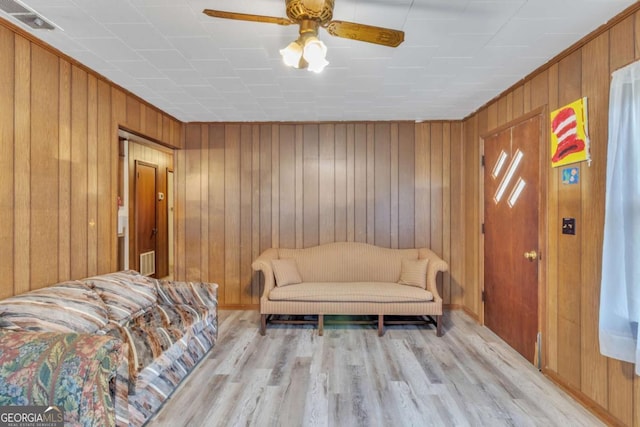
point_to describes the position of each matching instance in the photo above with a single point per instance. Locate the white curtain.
(620, 288)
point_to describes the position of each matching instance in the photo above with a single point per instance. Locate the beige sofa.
(350, 278)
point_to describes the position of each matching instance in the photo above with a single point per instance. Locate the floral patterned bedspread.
(71, 371)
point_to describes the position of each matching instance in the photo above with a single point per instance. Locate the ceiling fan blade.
(365, 33)
(247, 17)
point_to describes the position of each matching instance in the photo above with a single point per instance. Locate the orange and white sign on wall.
(570, 134)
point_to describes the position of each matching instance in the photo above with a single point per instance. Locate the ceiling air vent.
(25, 15)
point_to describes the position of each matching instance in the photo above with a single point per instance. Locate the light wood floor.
(351, 377)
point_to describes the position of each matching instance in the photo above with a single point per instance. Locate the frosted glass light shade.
(317, 66)
(314, 50)
(292, 54)
(314, 53)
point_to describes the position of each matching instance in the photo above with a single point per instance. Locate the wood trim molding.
(148, 141)
(471, 314)
(584, 400)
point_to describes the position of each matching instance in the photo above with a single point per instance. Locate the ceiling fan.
(307, 51)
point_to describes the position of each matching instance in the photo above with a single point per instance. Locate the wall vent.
(23, 14)
(148, 263)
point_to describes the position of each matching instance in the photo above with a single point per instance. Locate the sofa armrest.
(69, 370)
(263, 263)
(190, 293)
(435, 265)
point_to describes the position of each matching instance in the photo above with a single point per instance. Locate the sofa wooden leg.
(380, 325)
(438, 326)
(320, 324)
(263, 324)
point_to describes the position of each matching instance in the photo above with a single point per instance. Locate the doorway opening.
(145, 222)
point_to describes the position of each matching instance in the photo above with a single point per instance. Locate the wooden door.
(146, 227)
(511, 199)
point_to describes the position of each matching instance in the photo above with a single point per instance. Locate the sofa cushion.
(348, 262)
(125, 293)
(65, 307)
(360, 292)
(414, 272)
(286, 272)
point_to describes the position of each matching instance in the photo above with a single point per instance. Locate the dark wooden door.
(511, 192)
(146, 227)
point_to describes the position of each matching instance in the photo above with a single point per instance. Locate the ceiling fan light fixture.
(306, 52)
(311, 15)
(318, 66)
(314, 50)
(292, 54)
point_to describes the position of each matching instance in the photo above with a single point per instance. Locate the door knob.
(531, 255)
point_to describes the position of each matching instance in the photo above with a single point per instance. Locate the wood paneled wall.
(58, 163)
(572, 263)
(243, 188)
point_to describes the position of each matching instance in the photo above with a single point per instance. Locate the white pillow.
(286, 272)
(414, 273)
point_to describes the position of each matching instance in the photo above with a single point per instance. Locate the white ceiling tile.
(166, 59)
(185, 77)
(297, 95)
(257, 76)
(265, 91)
(39, 4)
(140, 36)
(93, 61)
(194, 108)
(447, 65)
(111, 49)
(523, 31)
(412, 56)
(203, 92)
(138, 69)
(196, 48)
(408, 75)
(214, 68)
(463, 45)
(369, 66)
(111, 11)
(548, 45)
(179, 98)
(246, 58)
(177, 20)
(163, 84)
(229, 84)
